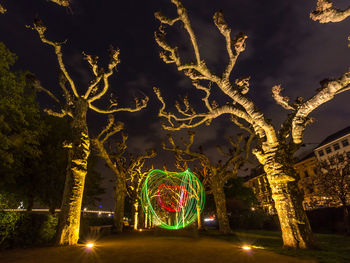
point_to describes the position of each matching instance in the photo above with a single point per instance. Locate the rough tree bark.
(69, 219)
(220, 204)
(120, 192)
(325, 12)
(274, 145)
(76, 106)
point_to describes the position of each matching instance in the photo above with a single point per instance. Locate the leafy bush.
(28, 229)
(8, 223)
(8, 220)
(48, 229)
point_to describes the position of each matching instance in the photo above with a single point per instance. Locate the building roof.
(335, 136)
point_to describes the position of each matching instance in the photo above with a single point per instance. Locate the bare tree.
(125, 168)
(114, 163)
(214, 175)
(333, 181)
(136, 176)
(277, 147)
(76, 106)
(325, 12)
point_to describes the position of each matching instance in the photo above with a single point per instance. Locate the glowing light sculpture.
(174, 200)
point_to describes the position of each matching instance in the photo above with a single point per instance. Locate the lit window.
(328, 150)
(345, 142)
(336, 146)
(320, 153)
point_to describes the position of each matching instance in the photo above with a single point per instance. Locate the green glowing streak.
(193, 204)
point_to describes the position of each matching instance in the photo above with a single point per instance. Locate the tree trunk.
(346, 218)
(199, 218)
(69, 222)
(136, 214)
(119, 203)
(30, 200)
(52, 210)
(283, 180)
(220, 204)
(146, 217)
(141, 217)
(120, 187)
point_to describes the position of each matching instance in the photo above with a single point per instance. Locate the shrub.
(8, 223)
(29, 229)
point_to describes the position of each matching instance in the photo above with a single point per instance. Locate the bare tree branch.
(37, 86)
(64, 3)
(41, 28)
(238, 43)
(193, 119)
(283, 101)
(329, 89)
(139, 105)
(111, 129)
(199, 71)
(2, 9)
(114, 56)
(325, 12)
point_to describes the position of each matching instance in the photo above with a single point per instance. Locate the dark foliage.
(30, 230)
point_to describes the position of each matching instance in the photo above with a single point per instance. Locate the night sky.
(284, 46)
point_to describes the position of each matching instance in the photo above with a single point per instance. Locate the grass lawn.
(332, 248)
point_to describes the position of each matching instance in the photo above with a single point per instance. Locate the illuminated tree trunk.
(68, 230)
(220, 204)
(283, 180)
(146, 217)
(119, 203)
(136, 214)
(199, 220)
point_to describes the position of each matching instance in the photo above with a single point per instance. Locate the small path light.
(246, 247)
(90, 245)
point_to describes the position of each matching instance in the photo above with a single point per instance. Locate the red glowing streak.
(168, 191)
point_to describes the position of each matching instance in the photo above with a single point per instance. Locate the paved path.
(142, 247)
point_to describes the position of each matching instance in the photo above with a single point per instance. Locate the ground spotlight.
(90, 245)
(246, 247)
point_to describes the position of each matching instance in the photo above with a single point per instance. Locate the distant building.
(261, 188)
(338, 142)
(306, 168)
